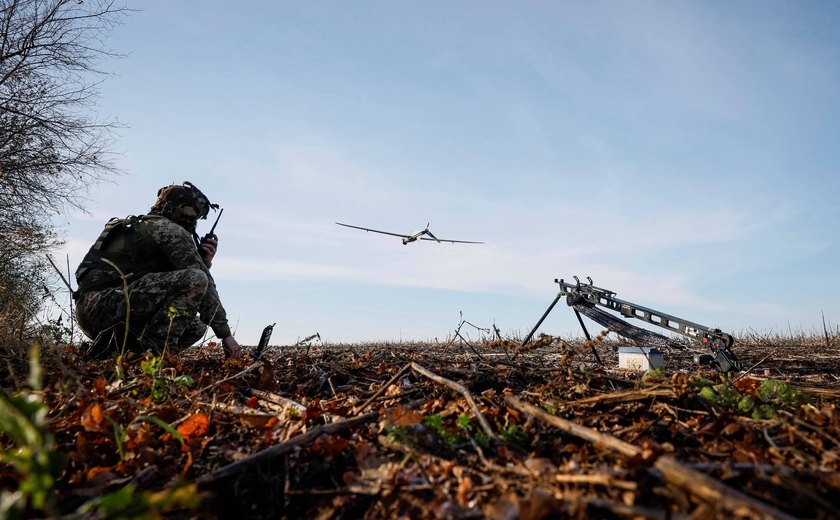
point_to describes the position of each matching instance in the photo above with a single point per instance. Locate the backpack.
(125, 243)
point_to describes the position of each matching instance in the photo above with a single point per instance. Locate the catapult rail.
(583, 298)
(587, 293)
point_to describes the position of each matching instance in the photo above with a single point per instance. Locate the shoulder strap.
(94, 256)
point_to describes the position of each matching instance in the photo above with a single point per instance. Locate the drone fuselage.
(414, 236)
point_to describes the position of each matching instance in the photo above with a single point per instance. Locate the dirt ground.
(484, 429)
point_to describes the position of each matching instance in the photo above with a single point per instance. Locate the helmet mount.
(184, 204)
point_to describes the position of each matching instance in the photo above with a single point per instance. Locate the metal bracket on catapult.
(585, 298)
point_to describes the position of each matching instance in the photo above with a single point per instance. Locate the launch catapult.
(585, 299)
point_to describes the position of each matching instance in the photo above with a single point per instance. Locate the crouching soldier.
(172, 296)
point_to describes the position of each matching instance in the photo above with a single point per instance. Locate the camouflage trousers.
(164, 309)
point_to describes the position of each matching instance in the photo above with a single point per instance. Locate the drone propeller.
(430, 233)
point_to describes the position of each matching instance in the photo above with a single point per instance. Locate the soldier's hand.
(232, 348)
(207, 250)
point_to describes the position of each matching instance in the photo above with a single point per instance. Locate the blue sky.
(683, 154)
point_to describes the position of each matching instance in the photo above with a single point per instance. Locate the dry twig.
(673, 471)
(279, 449)
(463, 391)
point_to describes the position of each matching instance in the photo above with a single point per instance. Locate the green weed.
(162, 380)
(23, 421)
(396, 434)
(152, 367)
(513, 435)
(654, 375)
(128, 503)
(770, 398)
(465, 423)
(435, 422)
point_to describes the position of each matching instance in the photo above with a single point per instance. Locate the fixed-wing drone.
(412, 237)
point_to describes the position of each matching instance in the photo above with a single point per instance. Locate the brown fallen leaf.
(195, 425)
(91, 419)
(403, 416)
(539, 504)
(464, 488)
(505, 508)
(540, 466)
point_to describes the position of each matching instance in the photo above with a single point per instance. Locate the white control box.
(639, 358)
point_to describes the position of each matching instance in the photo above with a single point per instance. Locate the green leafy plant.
(465, 423)
(171, 313)
(120, 432)
(722, 394)
(28, 446)
(163, 424)
(770, 397)
(699, 383)
(396, 434)
(513, 435)
(127, 502)
(152, 367)
(780, 393)
(23, 421)
(161, 380)
(776, 395)
(119, 436)
(435, 422)
(654, 375)
(184, 380)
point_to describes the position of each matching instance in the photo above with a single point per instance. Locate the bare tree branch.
(53, 145)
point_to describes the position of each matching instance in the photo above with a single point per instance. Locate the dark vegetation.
(52, 143)
(446, 430)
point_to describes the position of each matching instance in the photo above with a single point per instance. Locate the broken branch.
(463, 391)
(279, 449)
(673, 471)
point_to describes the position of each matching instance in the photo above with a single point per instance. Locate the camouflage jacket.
(145, 244)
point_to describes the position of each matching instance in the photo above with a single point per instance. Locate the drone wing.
(373, 230)
(451, 241)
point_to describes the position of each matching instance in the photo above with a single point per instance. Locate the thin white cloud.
(649, 147)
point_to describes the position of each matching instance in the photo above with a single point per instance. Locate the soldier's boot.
(113, 341)
(193, 333)
(102, 346)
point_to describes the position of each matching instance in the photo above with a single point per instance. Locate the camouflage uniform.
(172, 295)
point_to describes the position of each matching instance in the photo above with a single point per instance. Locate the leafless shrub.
(52, 145)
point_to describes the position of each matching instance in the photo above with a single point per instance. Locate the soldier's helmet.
(183, 204)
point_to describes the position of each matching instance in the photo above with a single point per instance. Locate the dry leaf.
(747, 385)
(91, 419)
(731, 428)
(404, 416)
(506, 508)
(99, 385)
(194, 426)
(540, 466)
(98, 470)
(464, 488)
(540, 504)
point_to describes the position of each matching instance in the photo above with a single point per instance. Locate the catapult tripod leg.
(544, 316)
(588, 338)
